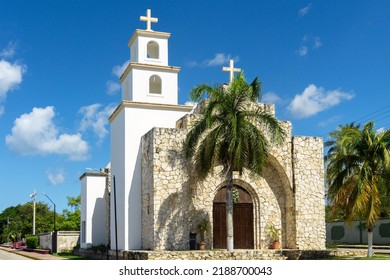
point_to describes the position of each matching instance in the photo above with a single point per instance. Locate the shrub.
(331, 245)
(32, 241)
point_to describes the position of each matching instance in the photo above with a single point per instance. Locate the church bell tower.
(148, 78)
(149, 99)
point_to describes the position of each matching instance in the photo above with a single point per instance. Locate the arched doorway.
(242, 219)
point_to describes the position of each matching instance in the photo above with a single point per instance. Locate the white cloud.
(96, 119)
(36, 134)
(9, 51)
(111, 86)
(1, 110)
(10, 76)
(56, 178)
(303, 50)
(304, 11)
(381, 130)
(309, 43)
(119, 69)
(217, 60)
(314, 100)
(270, 97)
(190, 103)
(329, 121)
(317, 43)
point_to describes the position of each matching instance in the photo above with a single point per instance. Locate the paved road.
(4, 255)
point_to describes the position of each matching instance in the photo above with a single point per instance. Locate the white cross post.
(231, 70)
(149, 19)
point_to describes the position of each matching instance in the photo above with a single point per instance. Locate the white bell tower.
(148, 77)
(149, 99)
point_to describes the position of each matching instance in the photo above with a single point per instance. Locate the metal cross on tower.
(149, 19)
(231, 70)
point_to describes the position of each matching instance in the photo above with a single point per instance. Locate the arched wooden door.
(242, 219)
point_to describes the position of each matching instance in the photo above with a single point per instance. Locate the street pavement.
(4, 255)
(30, 255)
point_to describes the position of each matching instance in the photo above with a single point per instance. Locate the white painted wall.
(127, 128)
(92, 210)
(138, 79)
(138, 49)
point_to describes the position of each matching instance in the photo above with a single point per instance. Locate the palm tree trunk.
(229, 211)
(370, 238)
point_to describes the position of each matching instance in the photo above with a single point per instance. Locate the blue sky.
(323, 63)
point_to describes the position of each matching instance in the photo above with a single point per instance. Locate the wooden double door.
(242, 220)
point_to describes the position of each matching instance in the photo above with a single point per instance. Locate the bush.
(32, 241)
(331, 245)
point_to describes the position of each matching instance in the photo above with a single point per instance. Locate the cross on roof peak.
(149, 19)
(231, 70)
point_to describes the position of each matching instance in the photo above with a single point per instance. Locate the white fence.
(356, 233)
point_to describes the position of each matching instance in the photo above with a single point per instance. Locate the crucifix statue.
(149, 19)
(231, 70)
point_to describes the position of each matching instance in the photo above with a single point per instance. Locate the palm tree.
(231, 132)
(358, 160)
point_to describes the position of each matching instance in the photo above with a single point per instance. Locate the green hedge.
(32, 241)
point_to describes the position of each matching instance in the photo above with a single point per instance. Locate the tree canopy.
(16, 222)
(358, 166)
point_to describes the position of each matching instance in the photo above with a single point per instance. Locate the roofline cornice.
(154, 67)
(147, 33)
(145, 105)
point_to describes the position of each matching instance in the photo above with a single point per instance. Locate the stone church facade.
(289, 194)
(156, 201)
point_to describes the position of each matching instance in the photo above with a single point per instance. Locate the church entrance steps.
(205, 255)
(284, 254)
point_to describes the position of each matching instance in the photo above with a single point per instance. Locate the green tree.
(233, 132)
(358, 161)
(74, 202)
(70, 220)
(20, 219)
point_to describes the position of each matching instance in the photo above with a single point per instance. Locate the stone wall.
(204, 255)
(308, 166)
(221, 254)
(66, 240)
(165, 199)
(289, 194)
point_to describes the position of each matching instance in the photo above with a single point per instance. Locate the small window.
(155, 84)
(153, 50)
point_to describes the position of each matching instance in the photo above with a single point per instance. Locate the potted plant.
(203, 227)
(274, 233)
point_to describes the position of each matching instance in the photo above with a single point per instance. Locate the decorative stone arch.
(244, 205)
(155, 84)
(275, 178)
(153, 50)
(272, 195)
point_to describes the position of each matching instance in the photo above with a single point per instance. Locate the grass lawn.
(374, 257)
(70, 256)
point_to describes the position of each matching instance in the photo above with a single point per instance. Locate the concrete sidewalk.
(31, 255)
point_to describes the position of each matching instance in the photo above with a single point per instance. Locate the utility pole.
(34, 196)
(8, 223)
